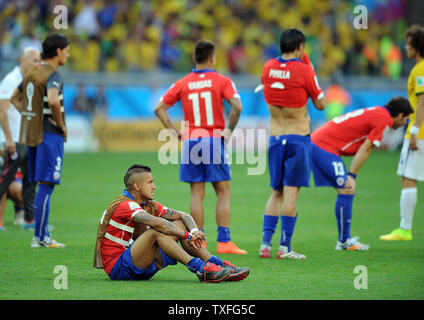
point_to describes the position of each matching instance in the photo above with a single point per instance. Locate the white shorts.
(411, 163)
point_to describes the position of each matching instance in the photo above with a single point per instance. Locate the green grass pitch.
(91, 181)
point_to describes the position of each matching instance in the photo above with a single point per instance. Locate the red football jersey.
(201, 93)
(121, 219)
(345, 134)
(289, 83)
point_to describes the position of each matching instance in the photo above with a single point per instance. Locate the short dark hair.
(203, 51)
(291, 39)
(399, 104)
(416, 33)
(135, 168)
(53, 42)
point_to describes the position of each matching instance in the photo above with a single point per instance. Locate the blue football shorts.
(328, 169)
(124, 269)
(204, 160)
(289, 161)
(45, 160)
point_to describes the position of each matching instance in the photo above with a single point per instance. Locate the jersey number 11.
(207, 96)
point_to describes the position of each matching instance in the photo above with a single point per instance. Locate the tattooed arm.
(159, 224)
(198, 235)
(171, 214)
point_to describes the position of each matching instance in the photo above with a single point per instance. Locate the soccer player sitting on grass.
(138, 237)
(353, 134)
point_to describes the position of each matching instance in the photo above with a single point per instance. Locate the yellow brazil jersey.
(415, 88)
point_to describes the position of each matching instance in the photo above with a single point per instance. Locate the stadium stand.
(139, 36)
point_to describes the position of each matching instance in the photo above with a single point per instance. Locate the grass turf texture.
(91, 181)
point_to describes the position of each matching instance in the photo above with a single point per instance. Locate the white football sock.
(408, 200)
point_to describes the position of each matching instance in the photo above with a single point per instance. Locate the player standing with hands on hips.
(287, 84)
(204, 158)
(40, 100)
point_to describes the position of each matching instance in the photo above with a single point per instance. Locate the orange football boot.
(229, 247)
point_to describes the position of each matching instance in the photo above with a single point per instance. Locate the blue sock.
(42, 210)
(287, 229)
(270, 223)
(215, 260)
(343, 210)
(196, 265)
(223, 234)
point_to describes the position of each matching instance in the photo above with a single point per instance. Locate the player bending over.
(137, 237)
(353, 134)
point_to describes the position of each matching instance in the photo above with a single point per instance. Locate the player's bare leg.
(196, 204)
(15, 194)
(223, 216)
(144, 250)
(273, 204)
(289, 205)
(223, 203)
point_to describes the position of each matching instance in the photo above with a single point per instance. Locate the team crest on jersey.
(340, 181)
(56, 175)
(133, 205)
(420, 81)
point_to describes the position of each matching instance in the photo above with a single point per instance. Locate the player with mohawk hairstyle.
(138, 236)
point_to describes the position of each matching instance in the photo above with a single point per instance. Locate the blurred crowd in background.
(140, 35)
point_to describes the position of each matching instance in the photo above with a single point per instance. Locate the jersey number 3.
(207, 96)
